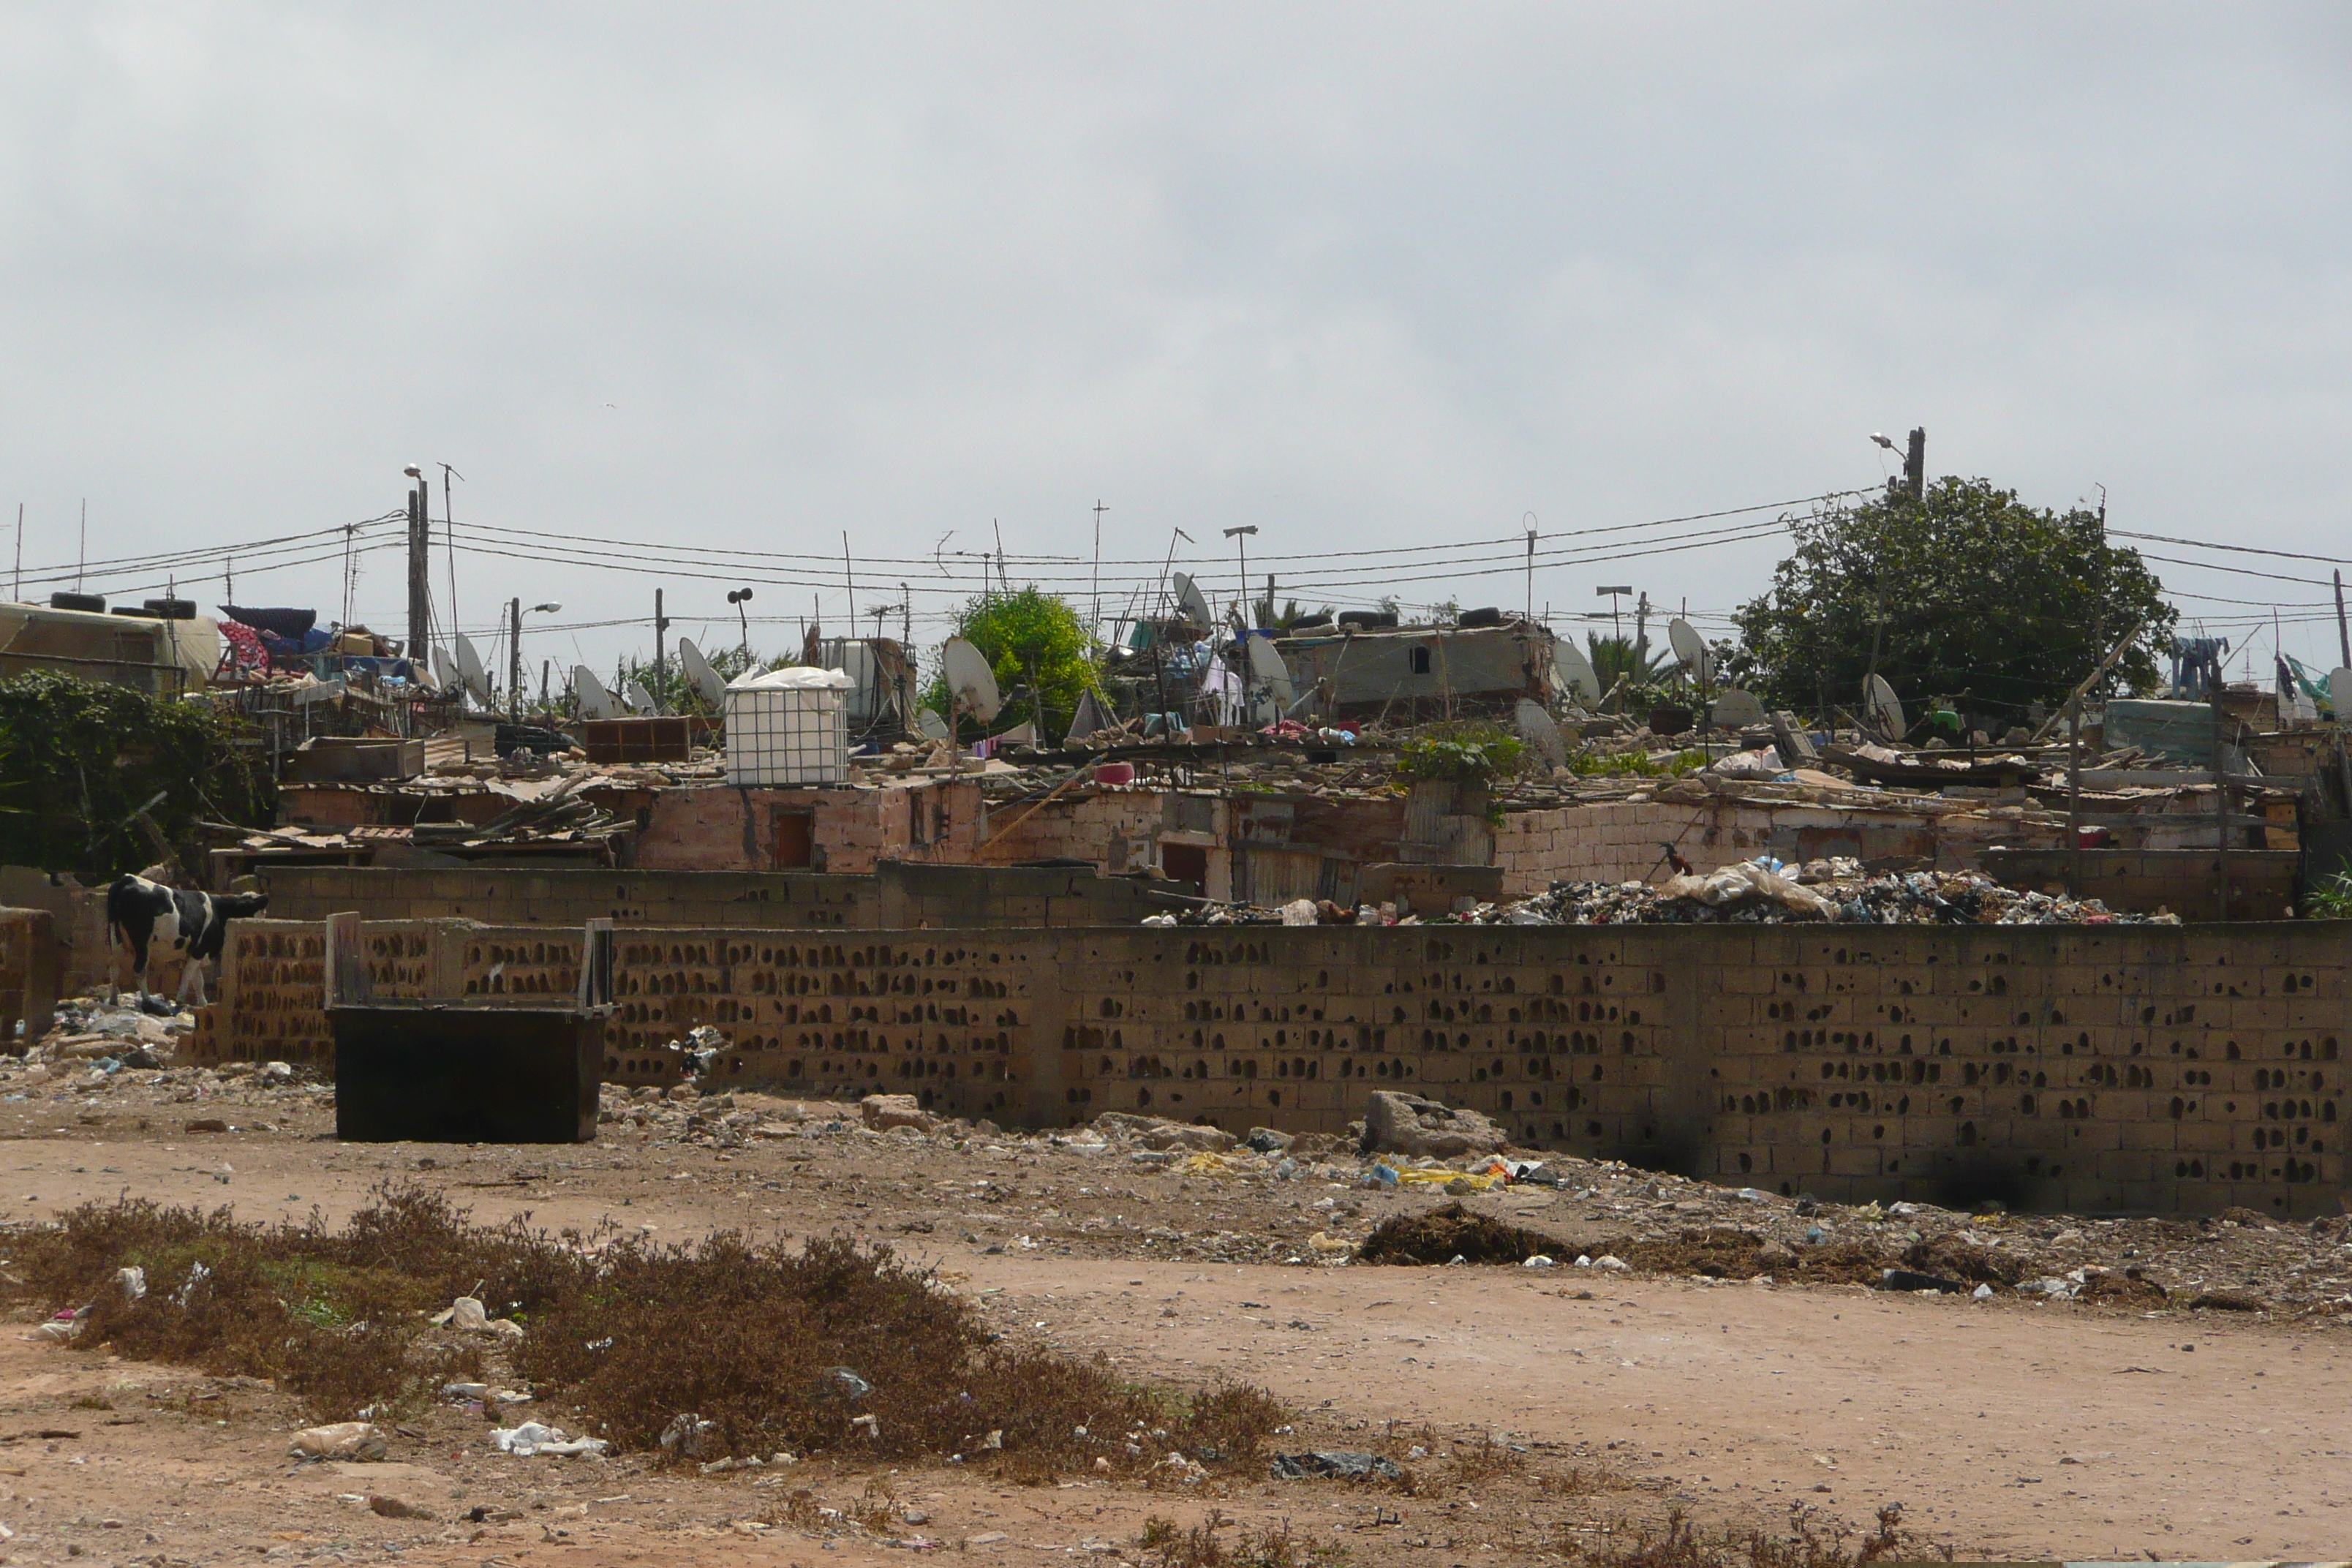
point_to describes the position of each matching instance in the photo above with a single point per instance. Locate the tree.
(1615, 655)
(1966, 592)
(1032, 640)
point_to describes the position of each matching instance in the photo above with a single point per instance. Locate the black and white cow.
(193, 923)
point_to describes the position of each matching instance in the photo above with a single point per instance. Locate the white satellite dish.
(699, 675)
(1582, 679)
(1689, 648)
(971, 680)
(640, 700)
(469, 670)
(932, 726)
(444, 674)
(1537, 729)
(1736, 709)
(595, 702)
(1885, 710)
(1190, 600)
(1265, 663)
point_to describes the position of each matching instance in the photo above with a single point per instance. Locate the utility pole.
(1531, 573)
(1094, 632)
(2342, 638)
(661, 633)
(514, 651)
(1642, 630)
(20, 555)
(420, 593)
(1914, 464)
(449, 537)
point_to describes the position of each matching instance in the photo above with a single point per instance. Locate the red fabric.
(245, 649)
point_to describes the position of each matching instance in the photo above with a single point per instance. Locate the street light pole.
(739, 597)
(1240, 536)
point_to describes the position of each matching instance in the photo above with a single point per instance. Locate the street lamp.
(739, 597)
(1615, 622)
(1240, 536)
(515, 613)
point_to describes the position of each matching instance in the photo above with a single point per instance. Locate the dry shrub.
(1679, 1543)
(753, 1339)
(1471, 1463)
(1449, 1231)
(1167, 1545)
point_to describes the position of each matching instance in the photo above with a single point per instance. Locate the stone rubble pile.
(1766, 891)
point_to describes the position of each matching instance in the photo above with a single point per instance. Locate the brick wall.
(895, 895)
(712, 827)
(2120, 1068)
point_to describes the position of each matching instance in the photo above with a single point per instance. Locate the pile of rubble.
(1765, 891)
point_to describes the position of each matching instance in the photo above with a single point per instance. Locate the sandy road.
(2027, 1431)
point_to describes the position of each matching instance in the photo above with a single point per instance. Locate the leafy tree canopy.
(1021, 634)
(1967, 589)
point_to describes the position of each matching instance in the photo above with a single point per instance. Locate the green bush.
(82, 766)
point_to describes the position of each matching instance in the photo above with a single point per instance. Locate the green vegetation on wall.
(82, 766)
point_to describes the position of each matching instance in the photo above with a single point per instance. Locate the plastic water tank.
(788, 727)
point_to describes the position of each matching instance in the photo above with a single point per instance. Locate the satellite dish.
(1689, 648)
(971, 680)
(699, 675)
(444, 674)
(1736, 709)
(1885, 710)
(595, 702)
(640, 699)
(1265, 663)
(933, 726)
(469, 670)
(1537, 729)
(1190, 600)
(1582, 679)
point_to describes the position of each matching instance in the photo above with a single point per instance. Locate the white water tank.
(788, 727)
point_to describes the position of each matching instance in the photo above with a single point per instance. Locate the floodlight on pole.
(739, 597)
(1616, 622)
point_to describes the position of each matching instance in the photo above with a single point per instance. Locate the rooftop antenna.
(469, 671)
(849, 577)
(971, 688)
(1885, 708)
(699, 675)
(82, 558)
(1536, 728)
(20, 554)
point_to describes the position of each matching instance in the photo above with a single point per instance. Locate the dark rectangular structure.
(450, 1072)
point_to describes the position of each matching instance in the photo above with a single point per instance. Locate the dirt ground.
(1544, 1400)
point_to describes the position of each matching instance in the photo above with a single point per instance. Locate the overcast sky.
(1364, 275)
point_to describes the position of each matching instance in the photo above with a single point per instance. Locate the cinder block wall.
(895, 895)
(2088, 1069)
(1619, 841)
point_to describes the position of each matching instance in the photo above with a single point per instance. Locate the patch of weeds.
(836, 1347)
(1807, 1543)
(1471, 1463)
(1165, 1544)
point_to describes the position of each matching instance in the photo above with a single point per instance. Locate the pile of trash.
(1767, 891)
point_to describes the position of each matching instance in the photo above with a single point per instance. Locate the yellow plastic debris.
(1439, 1177)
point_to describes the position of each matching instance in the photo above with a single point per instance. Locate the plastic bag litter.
(1759, 765)
(1749, 879)
(1298, 912)
(536, 1437)
(465, 1314)
(1208, 1164)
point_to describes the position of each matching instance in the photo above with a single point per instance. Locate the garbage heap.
(1767, 891)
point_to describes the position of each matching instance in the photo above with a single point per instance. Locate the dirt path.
(2022, 1430)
